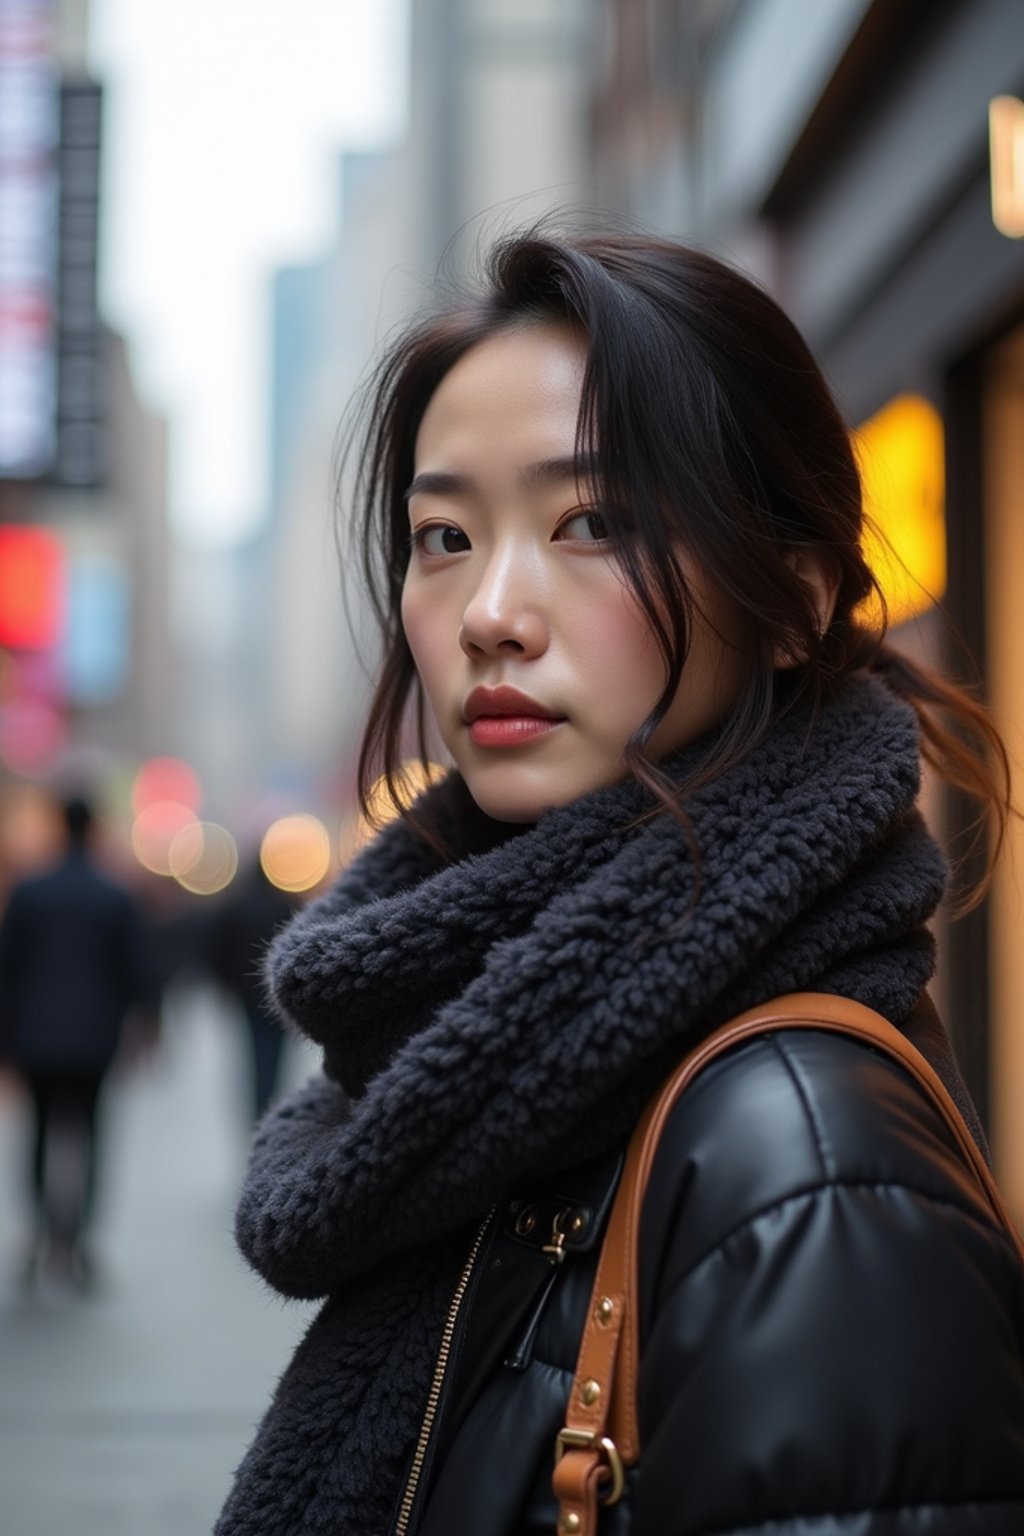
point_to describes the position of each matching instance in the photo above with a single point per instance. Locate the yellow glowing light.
(203, 858)
(155, 829)
(902, 462)
(1006, 160)
(296, 853)
(411, 780)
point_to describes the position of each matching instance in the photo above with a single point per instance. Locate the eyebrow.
(442, 482)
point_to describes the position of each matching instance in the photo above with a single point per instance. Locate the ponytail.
(960, 741)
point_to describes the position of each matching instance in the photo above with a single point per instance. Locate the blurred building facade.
(327, 320)
(842, 153)
(496, 134)
(83, 516)
(497, 121)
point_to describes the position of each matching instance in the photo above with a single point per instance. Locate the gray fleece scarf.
(507, 1014)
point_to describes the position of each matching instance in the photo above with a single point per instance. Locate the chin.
(507, 794)
(522, 810)
(512, 795)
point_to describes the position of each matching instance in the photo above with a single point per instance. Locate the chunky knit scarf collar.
(508, 1014)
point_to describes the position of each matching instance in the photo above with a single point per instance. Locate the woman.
(614, 523)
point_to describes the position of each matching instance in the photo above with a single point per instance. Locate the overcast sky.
(223, 122)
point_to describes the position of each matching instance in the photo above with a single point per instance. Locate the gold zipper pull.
(567, 1223)
(555, 1250)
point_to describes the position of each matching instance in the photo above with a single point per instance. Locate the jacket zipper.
(437, 1384)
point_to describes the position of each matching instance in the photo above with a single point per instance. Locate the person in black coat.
(240, 929)
(70, 969)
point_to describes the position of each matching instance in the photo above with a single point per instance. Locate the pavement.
(127, 1410)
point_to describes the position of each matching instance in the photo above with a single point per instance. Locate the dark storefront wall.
(893, 267)
(939, 326)
(977, 378)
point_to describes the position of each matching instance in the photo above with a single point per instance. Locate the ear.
(814, 574)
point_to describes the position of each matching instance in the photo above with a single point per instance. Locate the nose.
(504, 614)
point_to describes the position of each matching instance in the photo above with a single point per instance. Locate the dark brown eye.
(588, 527)
(441, 539)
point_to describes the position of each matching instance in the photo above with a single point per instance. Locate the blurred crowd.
(87, 956)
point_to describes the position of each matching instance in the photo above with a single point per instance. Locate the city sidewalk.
(126, 1411)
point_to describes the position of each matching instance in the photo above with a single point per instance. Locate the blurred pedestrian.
(240, 930)
(69, 972)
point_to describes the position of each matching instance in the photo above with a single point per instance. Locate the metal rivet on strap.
(569, 1523)
(590, 1391)
(605, 1310)
(526, 1221)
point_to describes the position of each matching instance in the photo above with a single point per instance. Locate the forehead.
(516, 393)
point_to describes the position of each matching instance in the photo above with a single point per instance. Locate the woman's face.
(533, 653)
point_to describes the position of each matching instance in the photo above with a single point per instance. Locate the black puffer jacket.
(832, 1331)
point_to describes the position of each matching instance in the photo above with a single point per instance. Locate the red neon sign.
(31, 588)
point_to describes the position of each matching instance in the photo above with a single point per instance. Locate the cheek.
(409, 616)
(624, 654)
(426, 633)
(617, 664)
(414, 622)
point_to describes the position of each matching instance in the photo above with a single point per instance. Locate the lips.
(504, 703)
(504, 717)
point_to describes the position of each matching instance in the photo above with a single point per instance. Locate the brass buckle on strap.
(586, 1440)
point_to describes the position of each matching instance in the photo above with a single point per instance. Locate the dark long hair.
(712, 431)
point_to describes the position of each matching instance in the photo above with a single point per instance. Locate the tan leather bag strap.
(600, 1438)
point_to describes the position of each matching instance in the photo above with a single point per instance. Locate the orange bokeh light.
(154, 831)
(296, 853)
(203, 858)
